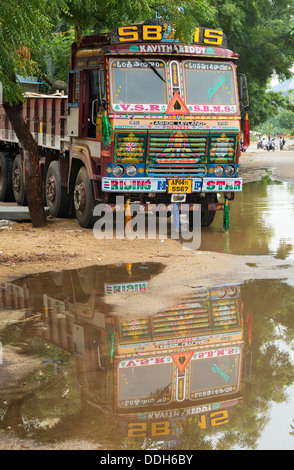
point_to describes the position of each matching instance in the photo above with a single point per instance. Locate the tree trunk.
(30, 154)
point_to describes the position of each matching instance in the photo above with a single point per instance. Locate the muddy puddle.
(261, 222)
(213, 372)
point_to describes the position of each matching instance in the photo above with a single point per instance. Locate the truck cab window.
(73, 88)
(96, 99)
(93, 103)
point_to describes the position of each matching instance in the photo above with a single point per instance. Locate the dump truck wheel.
(84, 199)
(6, 190)
(18, 182)
(57, 198)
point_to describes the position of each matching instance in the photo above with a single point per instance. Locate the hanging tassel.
(107, 131)
(246, 131)
(129, 269)
(226, 216)
(249, 327)
(111, 343)
(128, 216)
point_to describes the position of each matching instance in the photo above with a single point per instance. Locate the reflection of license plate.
(180, 186)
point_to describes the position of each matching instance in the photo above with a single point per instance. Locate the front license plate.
(179, 186)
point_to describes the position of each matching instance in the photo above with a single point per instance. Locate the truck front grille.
(178, 154)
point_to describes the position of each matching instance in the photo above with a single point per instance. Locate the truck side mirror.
(243, 90)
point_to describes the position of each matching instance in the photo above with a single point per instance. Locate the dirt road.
(255, 162)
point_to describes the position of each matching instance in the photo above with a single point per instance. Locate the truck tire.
(6, 190)
(84, 199)
(57, 198)
(207, 217)
(18, 182)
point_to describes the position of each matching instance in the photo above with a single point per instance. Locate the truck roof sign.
(156, 31)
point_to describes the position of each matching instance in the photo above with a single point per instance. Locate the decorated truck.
(151, 373)
(145, 117)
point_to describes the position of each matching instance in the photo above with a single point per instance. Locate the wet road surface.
(215, 371)
(261, 222)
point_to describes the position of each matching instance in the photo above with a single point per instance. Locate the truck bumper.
(163, 185)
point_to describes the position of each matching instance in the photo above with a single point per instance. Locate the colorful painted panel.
(130, 147)
(223, 148)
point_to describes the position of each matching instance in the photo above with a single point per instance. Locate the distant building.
(30, 84)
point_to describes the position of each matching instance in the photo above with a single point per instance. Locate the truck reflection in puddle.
(152, 373)
(188, 363)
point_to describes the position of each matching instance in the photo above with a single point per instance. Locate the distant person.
(269, 144)
(282, 143)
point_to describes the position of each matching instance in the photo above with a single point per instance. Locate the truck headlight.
(221, 292)
(118, 170)
(219, 170)
(232, 291)
(230, 170)
(131, 170)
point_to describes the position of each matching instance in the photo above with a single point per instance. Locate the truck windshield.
(138, 82)
(215, 372)
(144, 385)
(210, 87)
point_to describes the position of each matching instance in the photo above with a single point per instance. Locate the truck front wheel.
(207, 216)
(84, 199)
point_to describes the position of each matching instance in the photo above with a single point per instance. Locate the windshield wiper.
(152, 68)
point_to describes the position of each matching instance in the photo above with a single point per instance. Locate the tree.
(24, 24)
(80, 18)
(109, 14)
(261, 32)
(286, 119)
(53, 58)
